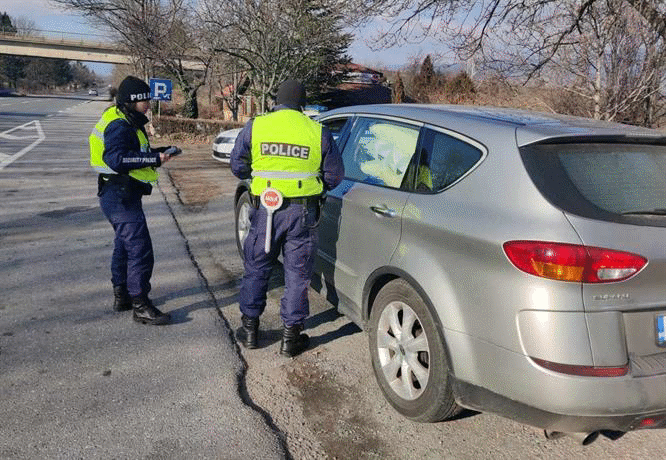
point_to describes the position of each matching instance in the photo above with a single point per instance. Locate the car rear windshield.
(620, 182)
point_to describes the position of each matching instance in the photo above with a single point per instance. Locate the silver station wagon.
(503, 261)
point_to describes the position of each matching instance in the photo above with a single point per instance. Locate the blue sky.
(46, 16)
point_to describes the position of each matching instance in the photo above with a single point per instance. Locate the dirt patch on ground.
(196, 175)
(337, 420)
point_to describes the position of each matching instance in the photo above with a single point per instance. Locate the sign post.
(160, 90)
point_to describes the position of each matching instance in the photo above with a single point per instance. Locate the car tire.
(243, 207)
(403, 337)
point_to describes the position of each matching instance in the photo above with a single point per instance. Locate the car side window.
(379, 151)
(443, 160)
(336, 127)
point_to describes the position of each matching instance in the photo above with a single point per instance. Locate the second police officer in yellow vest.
(126, 167)
(288, 152)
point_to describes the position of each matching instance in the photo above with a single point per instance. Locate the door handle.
(384, 211)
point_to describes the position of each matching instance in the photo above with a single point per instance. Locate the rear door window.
(443, 160)
(379, 151)
(612, 181)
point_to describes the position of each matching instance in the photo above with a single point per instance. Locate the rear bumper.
(477, 398)
(521, 390)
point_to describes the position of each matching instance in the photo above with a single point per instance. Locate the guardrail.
(64, 38)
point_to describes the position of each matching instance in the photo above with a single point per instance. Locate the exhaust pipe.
(584, 439)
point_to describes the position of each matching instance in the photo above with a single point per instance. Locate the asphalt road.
(78, 380)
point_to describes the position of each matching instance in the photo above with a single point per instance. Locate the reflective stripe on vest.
(286, 152)
(283, 175)
(96, 141)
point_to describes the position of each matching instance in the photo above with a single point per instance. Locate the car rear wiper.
(652, 212)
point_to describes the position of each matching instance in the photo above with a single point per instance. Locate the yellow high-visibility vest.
(96, 140)
(286, 154)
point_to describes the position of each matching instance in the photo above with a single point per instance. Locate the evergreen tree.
(11, 67)
(425, 82)
(427, 72)
(6, 26)
(48, 73)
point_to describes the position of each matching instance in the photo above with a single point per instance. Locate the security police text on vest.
(285, 150)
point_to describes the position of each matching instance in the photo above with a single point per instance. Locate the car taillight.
(573, 262)
(583, 371)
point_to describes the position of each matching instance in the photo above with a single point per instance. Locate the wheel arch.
(380, 278)
(241, 188)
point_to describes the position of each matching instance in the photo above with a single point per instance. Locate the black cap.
(291, 92)
(132, 89)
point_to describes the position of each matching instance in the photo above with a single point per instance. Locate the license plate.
(661, 330)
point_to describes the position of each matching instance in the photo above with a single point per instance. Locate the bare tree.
(612, 63)
(25, 27)
(82, 75)
(277, 39)
(426, 81)
(160, 34)
(233, 83)
(470, 25)
(609, 52)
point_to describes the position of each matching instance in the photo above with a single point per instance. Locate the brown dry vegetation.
(442, 89)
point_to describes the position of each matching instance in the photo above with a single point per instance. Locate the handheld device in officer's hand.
(173, 151)
(271, 199)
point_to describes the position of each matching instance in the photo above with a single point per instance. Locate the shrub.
(188, 127)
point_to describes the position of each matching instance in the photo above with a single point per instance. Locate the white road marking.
(27, 131)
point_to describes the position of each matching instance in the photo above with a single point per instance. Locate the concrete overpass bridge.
(62, 48)
(73, 49)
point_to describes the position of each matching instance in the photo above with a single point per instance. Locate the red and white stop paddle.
(271, 199)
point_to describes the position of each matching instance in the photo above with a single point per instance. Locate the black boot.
(293, 342)
(122, 300)
(249, 333)
(146, 313)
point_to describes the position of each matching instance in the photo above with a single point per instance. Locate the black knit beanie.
(132, 89)
(291, 92)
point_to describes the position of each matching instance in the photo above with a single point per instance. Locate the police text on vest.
(285, 150)
(139, 97)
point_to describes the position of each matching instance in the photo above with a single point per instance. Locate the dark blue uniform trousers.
(295, 234)
(132, 260)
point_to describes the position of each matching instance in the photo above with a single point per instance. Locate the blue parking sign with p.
(160, 89)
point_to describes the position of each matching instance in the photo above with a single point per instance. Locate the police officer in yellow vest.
(126, 167)
(285, 153)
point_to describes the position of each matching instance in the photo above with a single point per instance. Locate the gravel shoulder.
(317, 402)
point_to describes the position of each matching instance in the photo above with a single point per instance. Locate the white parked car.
(224, 143)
